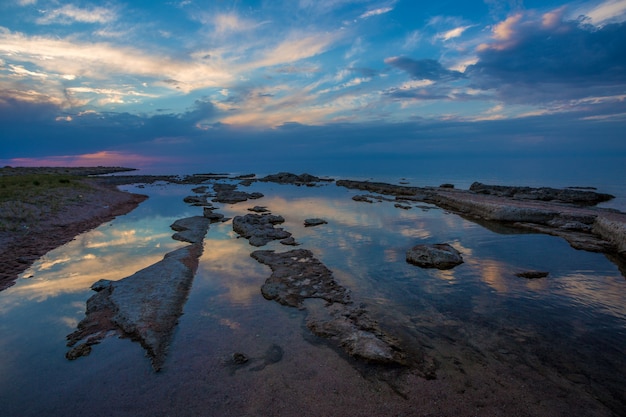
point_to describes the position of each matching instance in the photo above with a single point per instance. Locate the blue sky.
(164, 82)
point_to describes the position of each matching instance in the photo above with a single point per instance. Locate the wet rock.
(290, 241)
(362, 198)
(259, 228)
(300, 280)
(196, 200)
(259, 209)
(144, 307)
(298, 275)
(314, 222)
(565, 195)
(190, 229)
(402, 206)
(289, 178)
(212, 216)
(239, 358)
(227, 193)
(379, 187)
(441, 256)
(446, 185)
(532, 274)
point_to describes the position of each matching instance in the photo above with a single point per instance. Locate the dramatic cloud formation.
(177, 79)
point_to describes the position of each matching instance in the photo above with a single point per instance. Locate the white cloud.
(376, 12)
(610, 11)
(452, 33)
(101, 61)
(70, 13)
(26, 2)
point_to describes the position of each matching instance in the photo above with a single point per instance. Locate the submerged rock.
(259, 228)
(532, 274)
(441, 256)
(299, 280)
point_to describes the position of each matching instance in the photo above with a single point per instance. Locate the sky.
(226, 82)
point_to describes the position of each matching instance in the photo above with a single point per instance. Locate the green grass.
(31, 186)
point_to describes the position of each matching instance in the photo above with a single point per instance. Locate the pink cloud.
(102, 158)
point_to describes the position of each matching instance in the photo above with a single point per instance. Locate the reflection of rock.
(532, 274)
(441, 256)
(190, 229)
(298, 279)
(145, 306)
(314, 222)
(227, 193)
(259, 229)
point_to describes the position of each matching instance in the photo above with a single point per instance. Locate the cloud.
(103, 61)
(537, 58)
(70, 14)
(423, 69)
(376, 12)
(606, 12)
(452, 33)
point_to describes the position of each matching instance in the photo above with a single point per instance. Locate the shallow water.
(501, 343)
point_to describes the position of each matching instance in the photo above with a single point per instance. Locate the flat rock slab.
(314, 222)
(191, 229)
(300, 280)
(440, 256)
(144, 307)
(298, 275)
(259, 228)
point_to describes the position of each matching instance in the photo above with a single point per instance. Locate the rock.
(298, 275)
(196, 200)
(259, 209)
(290, 241)
(379, 187)
(259, 228)
(532, 274)
(402, 206)
(446, 185)
(441, 256)
(191, 229)
(314, 222)
(143, 307)
(300, 280)
(289, 178)
(566, 195)
(212, 216)
(227, 193)
(239, 358)
(363, 198)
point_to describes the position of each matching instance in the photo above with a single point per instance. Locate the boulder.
(314, 222)
(440, 256)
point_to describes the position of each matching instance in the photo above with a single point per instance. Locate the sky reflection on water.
(363, 244)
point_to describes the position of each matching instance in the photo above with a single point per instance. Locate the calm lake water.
(502, 344)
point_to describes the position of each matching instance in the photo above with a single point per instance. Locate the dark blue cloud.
(424, 69)
(564, 61)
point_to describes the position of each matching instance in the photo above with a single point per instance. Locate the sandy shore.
(56, 220)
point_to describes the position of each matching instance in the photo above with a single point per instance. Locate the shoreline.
(80, 209)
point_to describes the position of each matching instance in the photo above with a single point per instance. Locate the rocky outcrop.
(565, 195)
(289, 178)
(259, 228)
(299, 279)
(566, 213)
(440, 256)
(228, 194)
(145, 306)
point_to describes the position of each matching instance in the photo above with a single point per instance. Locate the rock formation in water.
(298, 279)
(259, 228)
(145, 306)
(440, 256)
